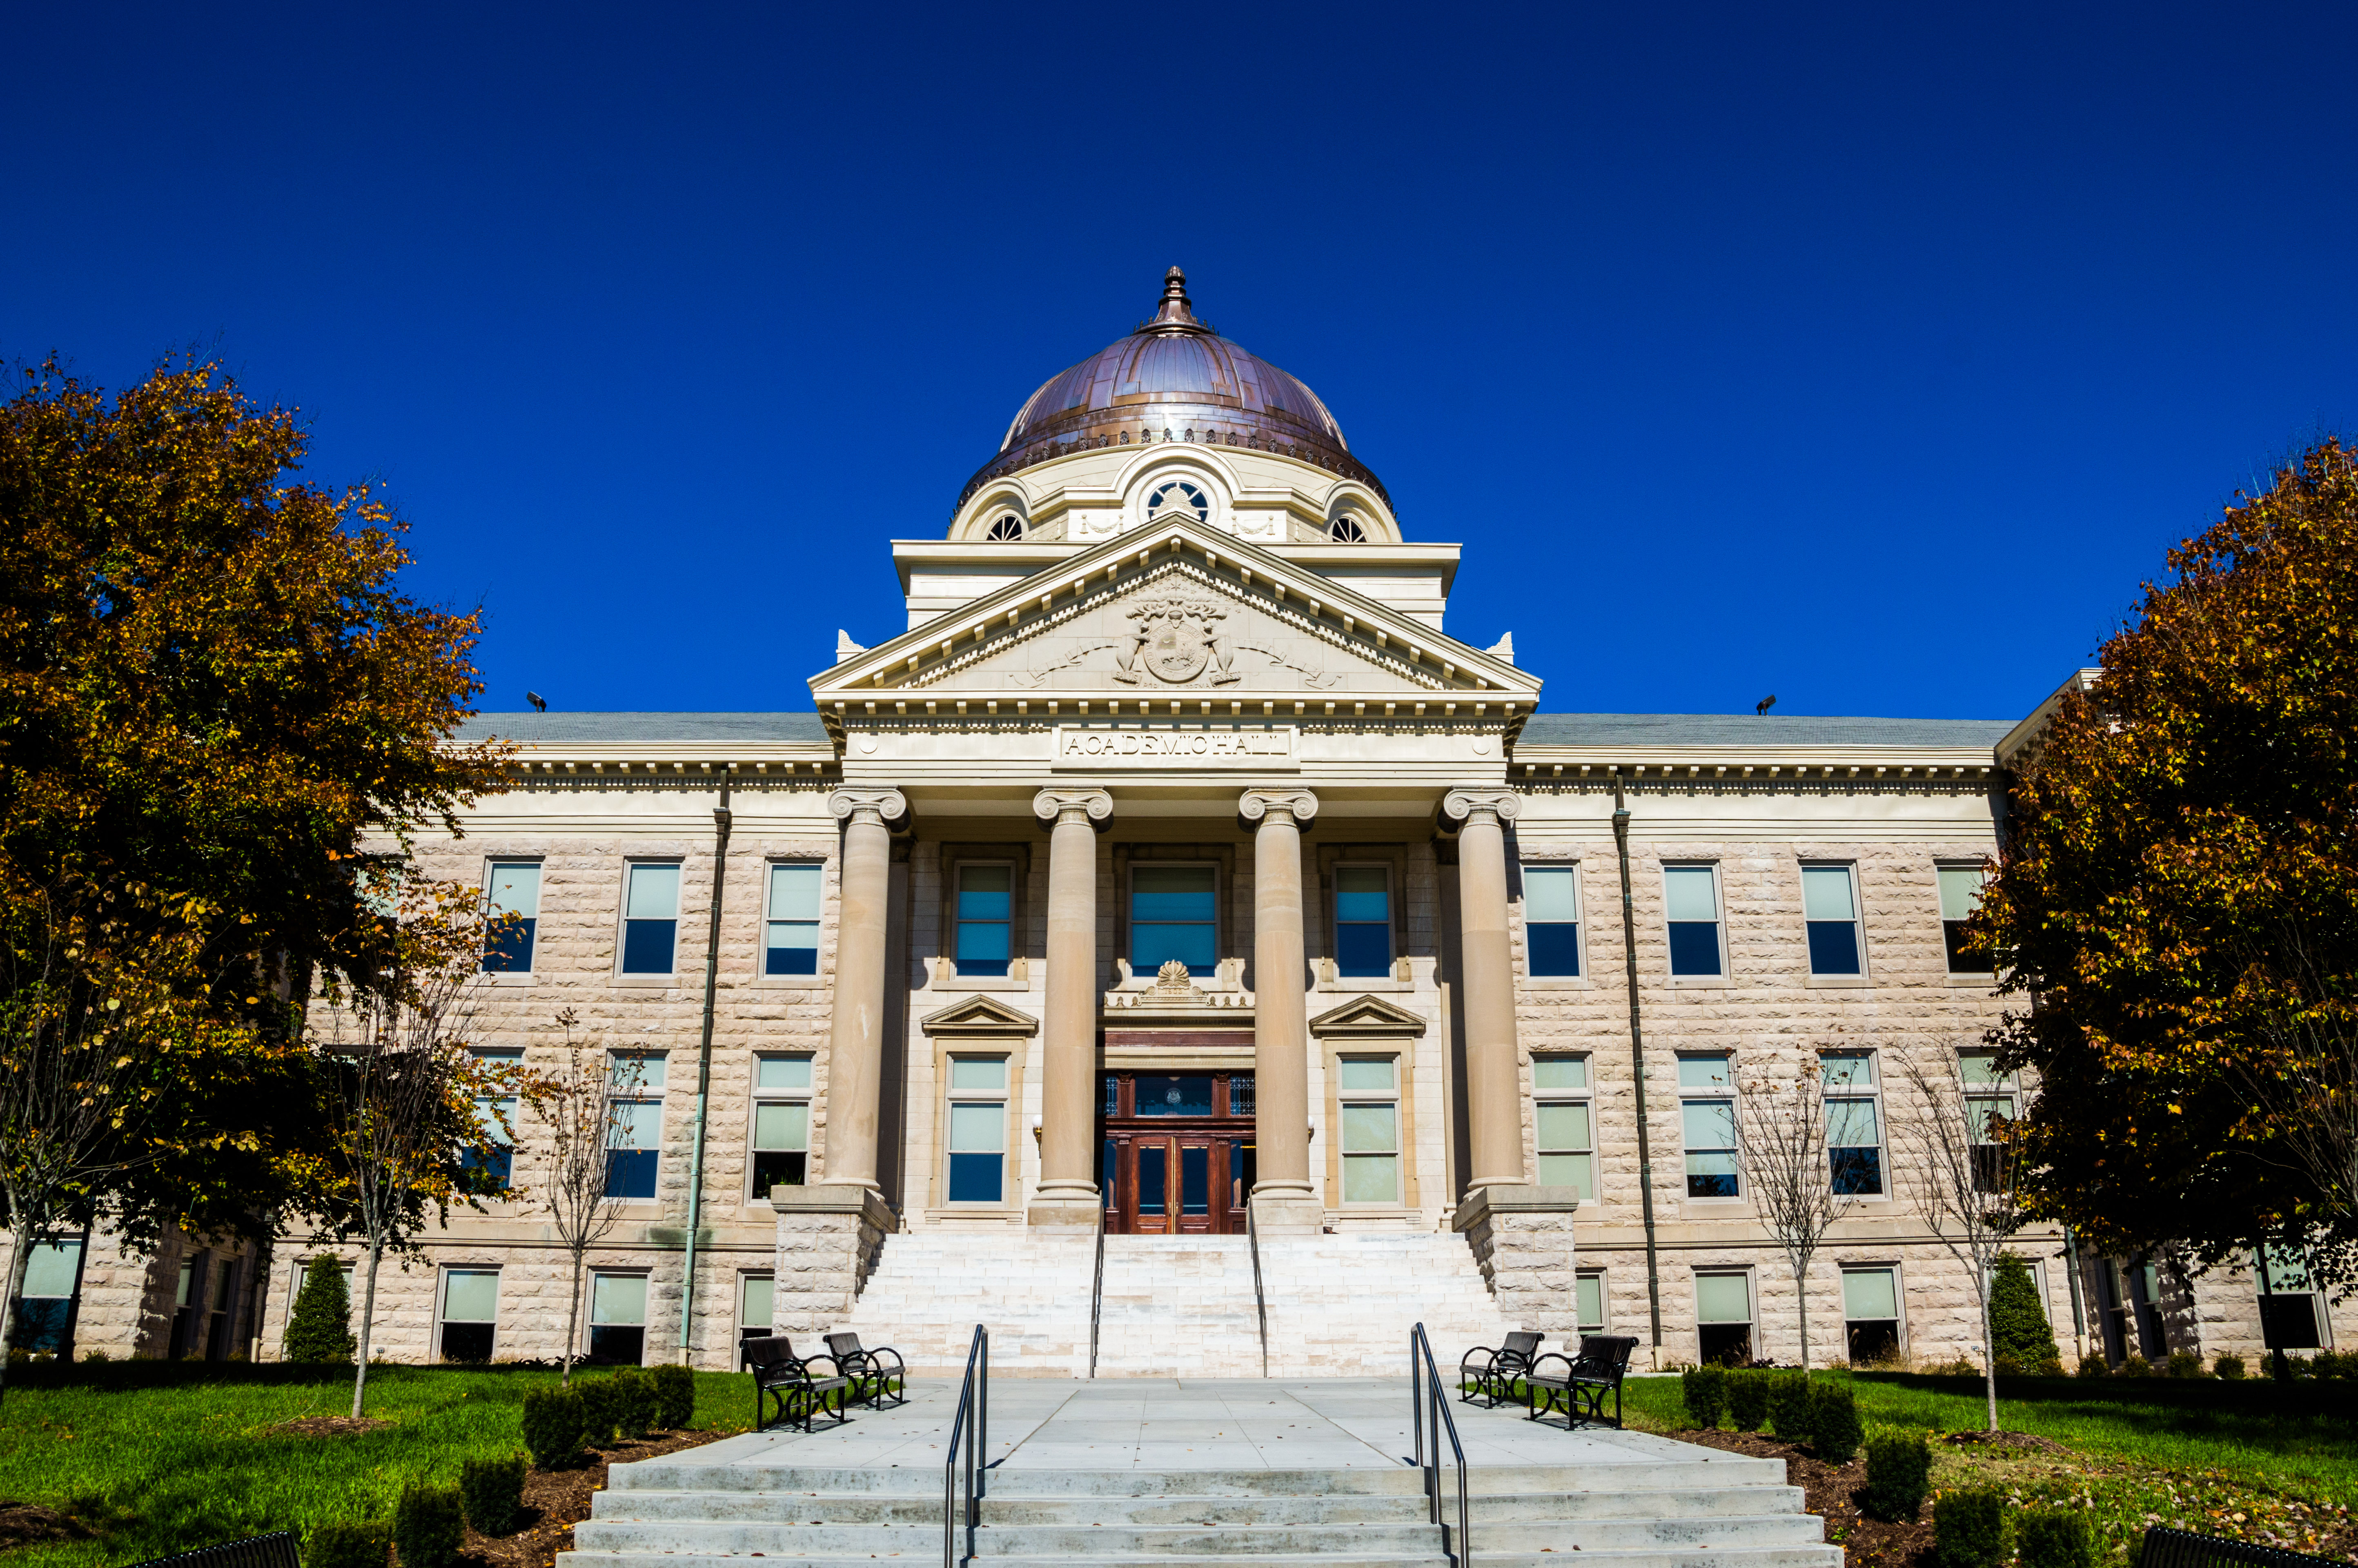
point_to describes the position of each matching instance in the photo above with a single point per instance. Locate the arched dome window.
(1345, 530)
(1007, 527)
(1175, 497)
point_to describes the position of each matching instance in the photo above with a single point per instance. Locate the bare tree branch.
(1780, 1148)
(579, 1121)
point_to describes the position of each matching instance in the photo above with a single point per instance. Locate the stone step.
(1363, 1507)
(1656, 1484)
(1085, 1542)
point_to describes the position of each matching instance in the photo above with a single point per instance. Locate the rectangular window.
(1707, 1110)
(634, 1124)
(756, 1296)
(618, 1318)
(1961, 890)
(1871, 1314)
(1691, 901)
(986, 900)
(1724, 1318)
(1560, 1115)
(470, 1310)
(1830, 908)
(495, 1116)
(515, 909)
(790, 945)
(1363, 922)
(1369, 1088)
(1551, 919)
(44, 1308)
(1854, 1123)
(781, 1150)
(650, 918)
(2289, 1314)
(1590, 1293)
(977, 1130)
(1171, 916)
(1989, 1105)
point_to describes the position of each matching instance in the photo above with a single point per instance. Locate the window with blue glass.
(1707, 1115)
(618, 1319)
(515, 909)
(496, 1114)
(790, 941)
(634, 1124)
(1830, 907)
(977, 1130)
(986, 904)
(1691, 903)
(1551, 919)
(1854, 1123)
(1172, 915)
(650, 918)
(45, 1305)
(1363, 921)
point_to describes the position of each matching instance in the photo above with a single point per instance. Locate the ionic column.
(1283, 1196)
(855, 1040)
(1493, 1110)
(1068, 1195)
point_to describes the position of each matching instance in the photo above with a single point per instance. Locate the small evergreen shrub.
(675, 1396)
(1833, 1422)
(1747, 1399)
(355, 1543)
(2008, 1366)
(320, 1326)
(429, 1526)
(634, 1402)
(1969, 1529)
(2018, 1325)
(2054, 1538)
(600, 1411)
(1898, 1477)
(492, 1491)
(2230, 1367)
(2340, 1367)
(555, 1426)
(2094, 1367)
(1789, 1404)
(2133, 1367)
(1705, 1391)
(2185, 1364)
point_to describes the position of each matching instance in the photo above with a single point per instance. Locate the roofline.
(2026, 736)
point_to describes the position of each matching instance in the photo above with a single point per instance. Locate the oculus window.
(1830, 907)
(1961, 890)
(1551, 920)
(470, 1310)
(1010, 527)
(986, 899)
(650, 918)
(1691, 901)
(1369, 1088)
(1345, 530)
(1172, 909)
(790, 939)
(1707, 1113)
(1178, 499)
(1560, 1118)
(618, 1318)
(1854, 1123)
(515, 915)
(781, 1151)
(977, 1130)
(1363, 922)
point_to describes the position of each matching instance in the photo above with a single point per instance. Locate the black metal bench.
(2184, 1549)
(786, 1379)
(276, 1549)
(874, 1381)
(1488, 1375)
(1579, 1389)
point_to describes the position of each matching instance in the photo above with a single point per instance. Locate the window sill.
(1701, 982)
(1370, 985)
(944, 981)
(1972, 982)
(508, 978)
(647, 982)
(1838, 982)
(1558, 983)
(1004, 1214)
(786, 983)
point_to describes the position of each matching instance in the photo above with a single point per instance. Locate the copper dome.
(1174, 379)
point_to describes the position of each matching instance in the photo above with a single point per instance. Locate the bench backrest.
(774, 1355)
(843, 1344)
(1606, 1355)
(1521, 1346)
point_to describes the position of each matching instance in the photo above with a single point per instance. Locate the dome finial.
(1177, 309)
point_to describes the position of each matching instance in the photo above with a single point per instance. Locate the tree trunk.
(19, 1259)
(1989, 1360)
(1801, 1301)
(368, 1320)
(572, 1325)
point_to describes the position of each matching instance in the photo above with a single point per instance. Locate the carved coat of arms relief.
(1175, 639)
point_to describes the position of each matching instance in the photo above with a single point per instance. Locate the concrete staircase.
(1175, 1306)
(1727, 1514)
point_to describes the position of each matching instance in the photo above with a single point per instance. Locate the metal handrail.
(1097, 1293)
(1429, 1407)
(1260, 1306)
(971, 1425)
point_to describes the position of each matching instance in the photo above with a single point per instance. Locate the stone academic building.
(1178, 873)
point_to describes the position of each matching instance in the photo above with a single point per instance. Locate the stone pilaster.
(1284, 1199)
(1493, 1111)
(1068, 1196)
(856, 1034)
(828, 1241)
(1521, 1238)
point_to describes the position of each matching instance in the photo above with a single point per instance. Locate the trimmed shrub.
(601, 1411)
(1705, 1390)
(1833, 1422)
(1969, 1529)
(634, 1402)
(429, 1526)
(2094, 1367)
(555, 1426)
(675, 1396)
(2054, 1538)
(2018, 1325)
(2185, 1364)
(2133, 1367)
(492, 1491)
(2230, 1367)
(1747, 1399)
(1898, 1477)
(2340, 1367)
(320, 1326)
(1789, 1404)
(355, 1543)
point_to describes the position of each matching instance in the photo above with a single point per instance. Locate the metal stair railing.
(1261, 1304)
(969, 1435)
(1429, 1415)
(1097, 1293)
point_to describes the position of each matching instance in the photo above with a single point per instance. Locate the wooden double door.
(1177, 1154)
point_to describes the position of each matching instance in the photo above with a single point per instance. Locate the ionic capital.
(1481, 806)
(872, 805)
(1280, 804)
(1053, 805)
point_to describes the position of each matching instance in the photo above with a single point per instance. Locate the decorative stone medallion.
(1174, 638)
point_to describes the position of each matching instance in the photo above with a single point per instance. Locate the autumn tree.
(2177, 903)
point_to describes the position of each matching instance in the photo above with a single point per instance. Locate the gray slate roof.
(638, 727)
(1745, 730)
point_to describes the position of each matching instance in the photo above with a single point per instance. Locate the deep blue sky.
(1871, 357)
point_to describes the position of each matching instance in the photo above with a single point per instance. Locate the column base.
(1522, 1241)
(1063, 1216)
(1288, 1213)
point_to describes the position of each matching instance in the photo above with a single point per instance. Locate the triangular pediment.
(1179, 612)
(978, 1015)
(1368, 1015)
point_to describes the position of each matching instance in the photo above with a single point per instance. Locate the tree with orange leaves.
(2177, 901)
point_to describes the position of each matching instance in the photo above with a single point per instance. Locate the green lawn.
(169, 1456)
